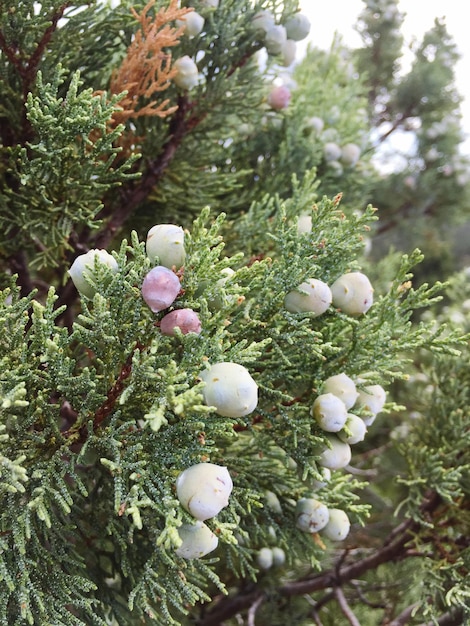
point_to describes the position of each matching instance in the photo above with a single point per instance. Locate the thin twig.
(405, 615)
(252, 610)
(345, 608)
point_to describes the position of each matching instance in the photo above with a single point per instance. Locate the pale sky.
(340, 16)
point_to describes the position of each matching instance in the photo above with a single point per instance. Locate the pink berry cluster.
(161, 285)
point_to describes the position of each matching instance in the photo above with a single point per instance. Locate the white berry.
(230, 389)
(350, 154)
(311, 515)
(264, 558)
(338, 525)
(193, 23)
(197, 540)
(165, 242)
(187, 74)
(279, 556)
(343, 388)
(82, 269)
(312, 296)
(336, 455)
(357, 427)
(372, 398)
(275, 38)
(331, 151)
(329, 412)
(298, 27)
(204, 489)
(352, 293)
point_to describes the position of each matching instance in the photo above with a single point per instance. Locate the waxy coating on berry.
(338, 525)
(187, 73)
(352, 293)
(311, 515)
(311, 296)
(83, 268)
(357, 428)
(342, 387)
(329, 412)
(197, 540)
(186, 320)
(230, 389)
(160, 288)
(204, 489)
(165, 242)
(337, 455)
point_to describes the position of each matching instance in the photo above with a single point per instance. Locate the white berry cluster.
(203, 491)
(280, 39)
(351, 293)
(331, 411)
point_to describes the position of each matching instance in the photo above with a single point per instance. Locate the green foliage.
(100, 411)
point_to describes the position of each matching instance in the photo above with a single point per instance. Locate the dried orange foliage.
(146, 69)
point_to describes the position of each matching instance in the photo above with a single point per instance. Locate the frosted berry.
(193, 23)
(279, 97)
(298, 27)
(311, 515)
(331, 151)
(197, 540)
(316, 123)
(204, 489)
(279, 556)
(352, 293)
(230, 389)
(371, 398)
(165, 242)
(342, 387)
(350, 154)
(329, 412)
(263, 20)
(338, 525)
(288, 52)
(313, 296)
(160, 288)
(264, 558)
(186, 320)
(325, 474)
(337, 455)
(275, 38)
(357, 428)
(187, 74)
(82, 270)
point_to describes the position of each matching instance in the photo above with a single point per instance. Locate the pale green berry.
(338, 525)
(230, 389)
(204, 489)
(272, 501)
(165, 242)
(331, 151)
(337, 455)
(357, 427)
(187, 73)
(197, 540)
(264, 558)
(352, 293)
(82, 270)
(311, 296)
(275, 38)
(329, 412)
(343, 388)
(279, 556)
(298, 27)
(316, 123)
(311, 515)
(350, 154)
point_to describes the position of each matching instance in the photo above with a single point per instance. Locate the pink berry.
(279, 97)
(184, 319)
(160, 288)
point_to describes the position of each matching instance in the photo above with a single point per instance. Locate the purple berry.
(184, 319)
(160, 288)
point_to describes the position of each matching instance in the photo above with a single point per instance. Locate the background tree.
(235, 416)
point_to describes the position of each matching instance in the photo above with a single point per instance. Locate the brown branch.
(345, 608)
